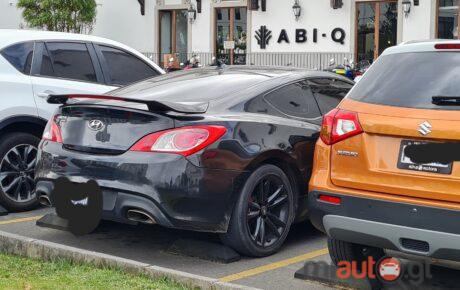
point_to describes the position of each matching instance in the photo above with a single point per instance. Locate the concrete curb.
(27, 247)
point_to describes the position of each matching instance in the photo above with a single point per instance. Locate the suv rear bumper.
(408, 228)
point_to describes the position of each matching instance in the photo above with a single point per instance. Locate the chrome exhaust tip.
(44, 200)
(140, 216)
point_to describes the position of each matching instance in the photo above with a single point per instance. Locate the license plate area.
(406, 163)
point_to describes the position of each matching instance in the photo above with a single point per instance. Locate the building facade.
(304, 33)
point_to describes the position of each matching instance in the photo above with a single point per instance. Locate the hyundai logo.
(96, 125)
(425, 128)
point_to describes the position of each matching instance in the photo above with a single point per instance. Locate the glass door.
(377, 28)
(173, 35)
(231, 35)
(447, 25)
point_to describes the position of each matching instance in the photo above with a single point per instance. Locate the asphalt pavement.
(152, 245)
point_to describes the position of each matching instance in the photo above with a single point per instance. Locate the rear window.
(411, 80)
(20, 56)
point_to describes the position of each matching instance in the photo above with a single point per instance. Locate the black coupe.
(228, 151)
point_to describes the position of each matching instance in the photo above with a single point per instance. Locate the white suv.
(35, 64)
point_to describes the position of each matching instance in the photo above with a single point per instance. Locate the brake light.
(447, 46)
(184, 141)
(339, 125)
(330, 199)
(52, 131)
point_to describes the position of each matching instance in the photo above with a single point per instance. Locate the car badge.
(96, 125)
(425, 128)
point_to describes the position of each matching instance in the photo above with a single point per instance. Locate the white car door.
(65, 68)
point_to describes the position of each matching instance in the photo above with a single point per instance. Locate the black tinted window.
(125, 68)
(329, 92)
(20, 56)
(295, 100)
(411, 80)
(69, 61)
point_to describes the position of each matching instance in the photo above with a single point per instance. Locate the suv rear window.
(20, 56)
(411, 80)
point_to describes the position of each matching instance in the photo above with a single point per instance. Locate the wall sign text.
(264, 35)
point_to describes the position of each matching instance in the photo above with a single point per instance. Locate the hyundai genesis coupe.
(227, 151)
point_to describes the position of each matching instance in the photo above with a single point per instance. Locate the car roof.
(12, 36)
(207, 84)
(420, 46)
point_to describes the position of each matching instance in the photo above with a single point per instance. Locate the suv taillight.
(339, 125)
(184, 141)
(52, 130)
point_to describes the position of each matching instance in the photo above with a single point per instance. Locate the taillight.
(339, 125)
(447, 46)
(184, 141)
(52, 130)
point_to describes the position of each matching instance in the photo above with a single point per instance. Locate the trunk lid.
(107, 129)
(396, 113)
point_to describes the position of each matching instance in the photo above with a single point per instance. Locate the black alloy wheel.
(18, 157)
(268, 211)
(263, 213)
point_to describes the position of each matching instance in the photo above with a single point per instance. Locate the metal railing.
(307, 60)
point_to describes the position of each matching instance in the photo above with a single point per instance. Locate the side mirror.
(331, 62)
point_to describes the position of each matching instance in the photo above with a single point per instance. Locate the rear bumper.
(408, 228)
(171, 189)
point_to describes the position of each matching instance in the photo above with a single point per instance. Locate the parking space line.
(21, 220)
(274, 266)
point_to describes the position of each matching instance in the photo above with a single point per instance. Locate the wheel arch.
(286, 163)
(27, 124)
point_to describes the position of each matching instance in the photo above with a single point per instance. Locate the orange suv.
(387, 173)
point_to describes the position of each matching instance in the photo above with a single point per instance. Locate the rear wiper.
(445, 101)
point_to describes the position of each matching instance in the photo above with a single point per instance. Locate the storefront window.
(231, 35)
(377, 27)
(173, 35)
(448, 19)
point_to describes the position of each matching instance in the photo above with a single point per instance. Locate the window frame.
(105, 68)
(264, 95)
(40, 47)
(33, 55)
(438, 3)
(332, 80)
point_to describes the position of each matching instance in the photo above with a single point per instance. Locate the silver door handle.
(45, 95)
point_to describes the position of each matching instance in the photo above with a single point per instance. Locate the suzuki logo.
(425, 128)
(96, 125)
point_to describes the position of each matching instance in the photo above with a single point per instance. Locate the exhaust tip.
(140, 216)
(44, 200)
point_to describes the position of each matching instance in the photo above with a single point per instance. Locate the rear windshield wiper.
(446, 101)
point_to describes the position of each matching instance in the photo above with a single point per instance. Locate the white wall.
(315, 14)
(10, 16)
(418, 25)
(121, 20)
(201, 29)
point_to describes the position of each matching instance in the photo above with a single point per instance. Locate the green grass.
(23, 273)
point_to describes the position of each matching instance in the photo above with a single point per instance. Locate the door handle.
(45, 95)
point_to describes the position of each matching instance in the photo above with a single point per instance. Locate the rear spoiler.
(153, 106)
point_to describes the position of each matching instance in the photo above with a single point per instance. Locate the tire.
(14, 168)
(256, 226)
(345, 251)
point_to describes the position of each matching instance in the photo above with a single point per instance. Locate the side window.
(295, 100)
(20, 56)
(329, 92)
(125, 68)
(69, 61)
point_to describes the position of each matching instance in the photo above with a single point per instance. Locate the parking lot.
(150, 244)
(153, 245)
